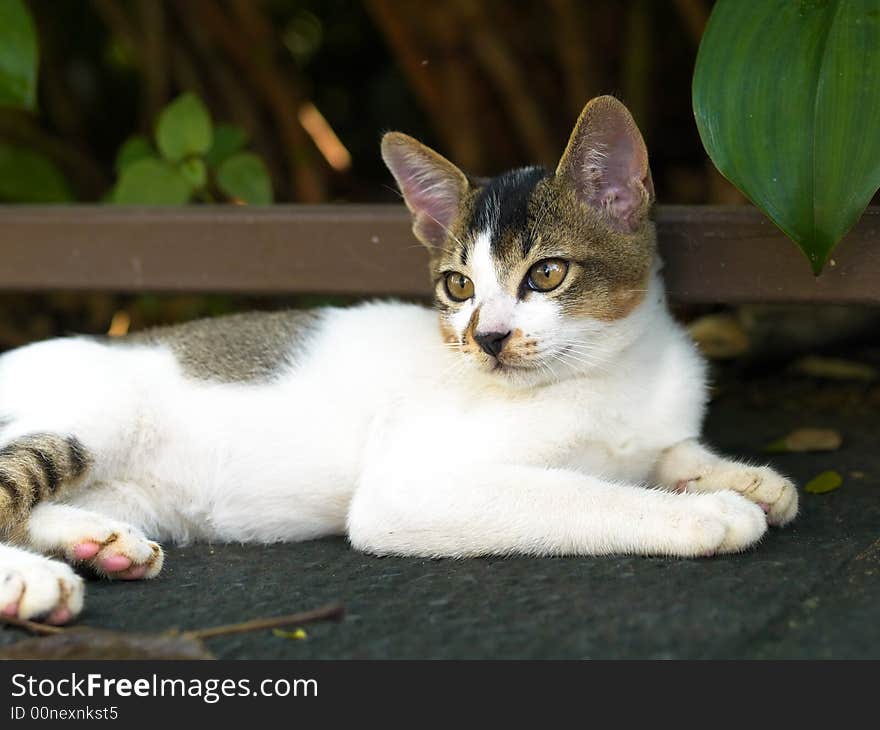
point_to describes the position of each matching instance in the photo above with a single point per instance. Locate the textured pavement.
(810, 590)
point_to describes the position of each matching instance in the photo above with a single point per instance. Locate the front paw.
(39, 589)
(775, 494)
(724, 522)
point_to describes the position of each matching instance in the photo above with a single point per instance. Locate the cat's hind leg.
(36, 588)
(110, 547)
(692, 467)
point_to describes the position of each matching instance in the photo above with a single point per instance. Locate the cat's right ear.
(433, 188)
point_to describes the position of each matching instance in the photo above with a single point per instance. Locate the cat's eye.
(458, 286)
(546, 275)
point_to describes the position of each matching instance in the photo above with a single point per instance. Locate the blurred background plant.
(258, 101)
(313, 83)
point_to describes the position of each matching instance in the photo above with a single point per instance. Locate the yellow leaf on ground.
(834, 368)
(719, 336)
(827, 481)
(296, 634)
(808, 439)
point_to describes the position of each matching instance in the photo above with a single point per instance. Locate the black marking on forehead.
(503, 203)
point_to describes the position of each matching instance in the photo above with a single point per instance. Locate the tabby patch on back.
(526, 263)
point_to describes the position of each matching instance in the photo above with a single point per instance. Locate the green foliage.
(244, 177)
(27, 176)
(150, 181)
(184, 128)
(194, 161)
(786, 95)
(228, 139)
(18, 56)
(133, 149)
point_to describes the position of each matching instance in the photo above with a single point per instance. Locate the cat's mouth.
(501, 366)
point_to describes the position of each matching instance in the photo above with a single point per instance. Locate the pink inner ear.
(430, 191)
(607, 163)
(619, 202)
(614, 170)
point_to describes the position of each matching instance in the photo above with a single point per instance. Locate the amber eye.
(547, 274)
(459, 287)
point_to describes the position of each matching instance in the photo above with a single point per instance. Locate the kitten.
(557, 412)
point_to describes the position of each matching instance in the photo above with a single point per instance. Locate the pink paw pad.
(59, 616)
(136, 572)
(86, 550)
(115, 563)
(10, 609)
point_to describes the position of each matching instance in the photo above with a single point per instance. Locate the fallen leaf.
(807, 439)
(296, 634)
(719, 336)
(827, 481)
(834, 368)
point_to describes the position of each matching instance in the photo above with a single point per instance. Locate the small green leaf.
(194, 172)
(786, 95)
(184, 128)
(244, 177)
(133, 149)
(151, 182)
(228, 139)
(27, 176)
(18, 56)
(827, 481)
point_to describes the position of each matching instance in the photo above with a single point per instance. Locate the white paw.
(37, 588)
(775, 494)
(109, 547)
(721, 522)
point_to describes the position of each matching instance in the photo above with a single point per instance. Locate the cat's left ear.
(433, 188)
(606, 163)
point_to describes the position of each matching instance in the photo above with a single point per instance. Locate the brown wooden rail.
(712, 254)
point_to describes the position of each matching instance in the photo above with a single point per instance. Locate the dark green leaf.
(18, 56)
(151, 182)
(133, 149)
(27, 176)
(228, 139)
(244, 177)
(786, 95)
(184, 128)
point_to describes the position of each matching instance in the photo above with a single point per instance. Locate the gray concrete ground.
(811, 590)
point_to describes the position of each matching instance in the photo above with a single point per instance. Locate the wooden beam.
(712, 254)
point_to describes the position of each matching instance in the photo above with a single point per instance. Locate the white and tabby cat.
(556, 411)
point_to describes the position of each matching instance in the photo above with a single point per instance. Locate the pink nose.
(492, 342)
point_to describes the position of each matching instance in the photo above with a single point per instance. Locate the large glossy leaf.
(18, 56)
(786, 95)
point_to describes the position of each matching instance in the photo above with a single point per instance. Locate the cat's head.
(534, 271)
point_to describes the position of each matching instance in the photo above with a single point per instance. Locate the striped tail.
(34, 468)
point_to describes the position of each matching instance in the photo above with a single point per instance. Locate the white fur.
(377, 430)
